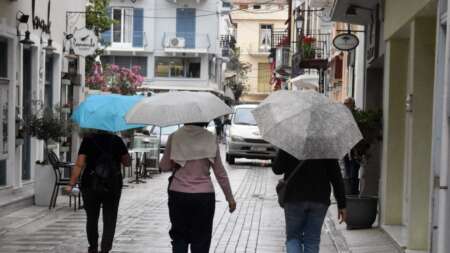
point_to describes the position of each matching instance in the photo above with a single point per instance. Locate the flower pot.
(64, 149)
(44, 181)
(361, 211)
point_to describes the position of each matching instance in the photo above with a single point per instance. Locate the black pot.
(361, 211)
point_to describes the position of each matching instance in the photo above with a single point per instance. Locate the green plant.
(99, 20)
(308, 49)
(48, 124)
(370, 123)
(241, 69)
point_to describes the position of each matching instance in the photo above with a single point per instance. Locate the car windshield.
(153, 130)
(169, 129)
(243, 116)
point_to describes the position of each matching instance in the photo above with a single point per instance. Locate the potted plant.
(362, 208)
(308, 49)
(47, 124)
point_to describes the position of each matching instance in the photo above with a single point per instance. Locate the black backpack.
(106, 171)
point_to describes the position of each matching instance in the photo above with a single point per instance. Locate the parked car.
(243, 137)
(211, 127)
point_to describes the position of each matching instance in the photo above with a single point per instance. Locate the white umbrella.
(179, 107)
(307, 124)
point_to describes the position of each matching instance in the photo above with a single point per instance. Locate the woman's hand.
(232, 205)
(68, 188)
(342, 215)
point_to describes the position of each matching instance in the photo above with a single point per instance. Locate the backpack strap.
(300, 164)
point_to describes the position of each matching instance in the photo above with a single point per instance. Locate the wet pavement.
(257, 225)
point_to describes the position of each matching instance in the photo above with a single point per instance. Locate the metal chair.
(60, 180)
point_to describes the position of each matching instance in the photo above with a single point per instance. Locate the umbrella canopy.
(105, 112)
(179, 107)
(307, 124)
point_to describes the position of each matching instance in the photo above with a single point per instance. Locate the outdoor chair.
(57, 165)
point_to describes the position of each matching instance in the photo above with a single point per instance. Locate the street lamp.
(299, 19)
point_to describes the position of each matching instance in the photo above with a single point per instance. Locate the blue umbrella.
(105, 112)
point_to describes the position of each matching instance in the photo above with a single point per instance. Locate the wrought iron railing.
(227, 41)
(280, 38)
(316, 46)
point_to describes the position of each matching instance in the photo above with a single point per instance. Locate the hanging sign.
(84, 42)
(38, 22)
(345, 41)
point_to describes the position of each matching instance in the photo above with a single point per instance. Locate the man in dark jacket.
(307, 199)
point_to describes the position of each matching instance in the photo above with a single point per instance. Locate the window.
(264, 76)
(265, 37)
(48, 99)
(4, 88)
(3, 58)
(256, 7)
(244, 116)
(123, 25)
(127, 62)
(2, 172)
(177, 67)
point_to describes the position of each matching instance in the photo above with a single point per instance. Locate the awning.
(306, 81)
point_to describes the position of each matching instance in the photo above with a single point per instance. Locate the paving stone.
(257, 225)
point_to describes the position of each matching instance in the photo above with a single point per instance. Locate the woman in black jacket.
(307, 199)
(95, 194)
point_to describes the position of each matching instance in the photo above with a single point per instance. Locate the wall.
(399, 12)
(248, 26)
(8, 23)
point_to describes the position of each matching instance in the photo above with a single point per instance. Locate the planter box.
(43, 184)
(64, 149)
(361, 211)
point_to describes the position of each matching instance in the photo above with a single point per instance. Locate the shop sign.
(39, 23)
(84, 42)
(345, 42)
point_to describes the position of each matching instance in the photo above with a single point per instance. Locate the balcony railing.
(227, 41)
(280, 38)
(314, 50)
(186, 42)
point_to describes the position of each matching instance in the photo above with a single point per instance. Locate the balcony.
(314, 51)
(228, 44)
(280, 38)
(186, 42)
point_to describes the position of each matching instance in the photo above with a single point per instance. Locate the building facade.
(176, 43)
(34, 72)
(256, 23)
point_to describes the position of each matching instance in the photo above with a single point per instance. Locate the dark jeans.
(304, 222)
(110, 205)
(191, 215)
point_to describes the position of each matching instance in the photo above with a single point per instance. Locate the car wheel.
(229, 158)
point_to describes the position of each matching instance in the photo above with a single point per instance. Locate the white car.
(243, 137)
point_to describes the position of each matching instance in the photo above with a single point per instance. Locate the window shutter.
(106, 35)
(138, 27)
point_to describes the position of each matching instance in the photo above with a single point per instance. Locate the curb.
(337, 238)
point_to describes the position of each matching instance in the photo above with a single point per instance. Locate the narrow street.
(257, 225)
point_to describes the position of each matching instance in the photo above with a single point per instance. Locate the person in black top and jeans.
(90, 150)
(307, 199)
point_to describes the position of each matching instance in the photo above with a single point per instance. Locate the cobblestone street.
(257, 225)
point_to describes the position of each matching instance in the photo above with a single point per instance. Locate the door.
(186, 26)
(27, 108)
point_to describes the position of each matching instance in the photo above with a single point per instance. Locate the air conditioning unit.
(176, 42)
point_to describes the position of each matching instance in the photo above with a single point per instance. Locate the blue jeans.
(304, 222)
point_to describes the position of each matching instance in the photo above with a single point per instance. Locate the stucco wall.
(399, 12)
